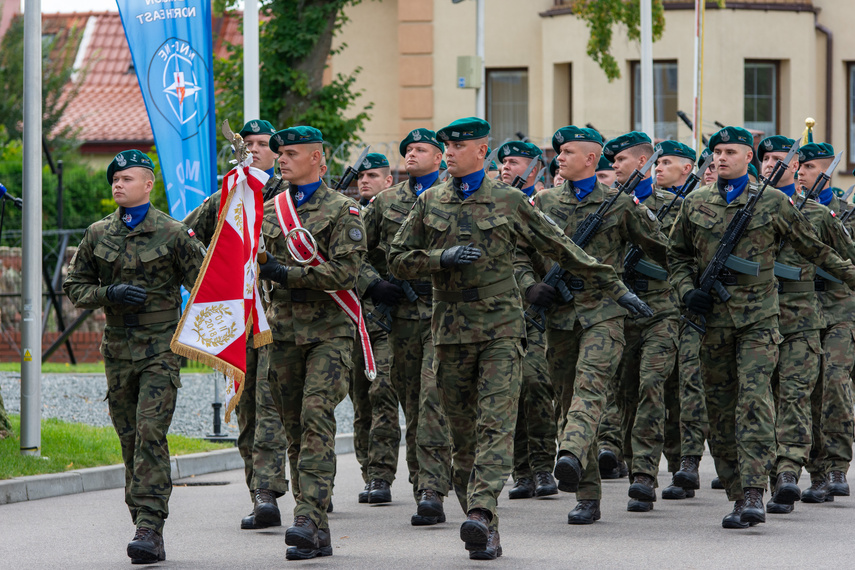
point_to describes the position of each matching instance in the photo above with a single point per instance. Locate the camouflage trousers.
(141, 396)
(261, 440)
(479, 385)
(648, 360)
(694, 422)
(610, 435)
(534, 439)
(737, 365)
(307, 382)
(376, 428)
(583, 364)
(832, 403)
(412, 371)
(793, 382)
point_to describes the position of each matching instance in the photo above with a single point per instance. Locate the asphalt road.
(91, 530)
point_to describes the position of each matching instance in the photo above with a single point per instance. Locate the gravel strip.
(80, 398)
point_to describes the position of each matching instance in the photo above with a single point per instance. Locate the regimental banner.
(224, 305)
(170, 42)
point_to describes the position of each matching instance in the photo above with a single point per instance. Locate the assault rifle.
(383, 310)
(558, 277)
(709, 279)
(351, 171)
(820, 181)
(685, 118)
(632, 263)
(845, 217)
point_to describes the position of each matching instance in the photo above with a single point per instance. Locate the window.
(850, 112)
(761, 96)
(507, 103)
(664, 98)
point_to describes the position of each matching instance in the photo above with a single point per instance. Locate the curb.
(105, 477)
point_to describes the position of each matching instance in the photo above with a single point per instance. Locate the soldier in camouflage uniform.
(376, 429)
(651, 344)
(686, 422)
(132, 263)
(534, 438)
(740, 348)
(832, 401)
(585, 337)
(311, 355)
(428, 444)
(261, 440)
(464, 234)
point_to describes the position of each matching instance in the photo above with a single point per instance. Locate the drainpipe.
(829, 69)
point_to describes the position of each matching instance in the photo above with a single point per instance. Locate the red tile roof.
(109, 109)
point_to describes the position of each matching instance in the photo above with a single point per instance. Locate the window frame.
(636, 64)
(487, 116)
(776, 64)
(850, 115)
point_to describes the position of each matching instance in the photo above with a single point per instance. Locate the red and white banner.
(303, 251)
(224, 306)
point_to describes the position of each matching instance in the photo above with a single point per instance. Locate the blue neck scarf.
(270, 172)
(422, 183)
(529, 191)
(302, 194)
(467, 185)
(135, 214)
(789, 189)
(825, 196)
(673, 189)
(583, 187)
(733, 188)
(644, 189)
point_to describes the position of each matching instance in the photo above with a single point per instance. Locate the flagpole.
(647, 69)
(251, 105)
(697, 115)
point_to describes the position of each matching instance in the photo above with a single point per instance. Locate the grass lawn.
(68, 446)
(90, 368)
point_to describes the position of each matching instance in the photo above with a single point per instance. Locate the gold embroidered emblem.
(238, 212)
(211, 326)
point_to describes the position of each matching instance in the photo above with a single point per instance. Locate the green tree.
(602, 15)
(297, 38)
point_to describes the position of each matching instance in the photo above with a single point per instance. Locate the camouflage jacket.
(703, 219)
(838, 304)
(383, 217)
(334, 221)
(493, 218)
(626, 222)
(158, 255)
(203, 219)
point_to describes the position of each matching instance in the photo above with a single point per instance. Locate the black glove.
(385, 292)
(459, 255)
(124, 294)
(540, 294)
(698, 301)
(634, 305)
(273, 271)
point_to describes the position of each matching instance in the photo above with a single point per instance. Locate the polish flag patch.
(191, 233)
(354, 210)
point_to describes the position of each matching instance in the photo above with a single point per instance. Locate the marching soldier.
(261, 440)
(132, 263)
(605, 173)
(740, 348)
(463, 234)
(313, 335)
(376, 429)
(428, 444)
(831, 452)
(534, 438)
(585, 337)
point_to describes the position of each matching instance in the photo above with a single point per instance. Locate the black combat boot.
(430, 504)
(491, 551)
(716, 484)
(546, 484)
(586, 512)
(734, 518)
(381, 492)
(266, 509)
(687, 477)
(523, 489)
(636, 506)
(303, 534)
(146, 547)
(837, 485)
(818, 491)
(568, 471)
(363, 494)
(753, 511)
(324, 548)
(675, 492)
(787, 489)
(642, 488)
(475, 530)
(607, 461)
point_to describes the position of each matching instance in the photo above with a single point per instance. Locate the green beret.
(704, 154)
(814, 151)
(572, 133)
(604, 164)
(295, 135)
(467, 129)
(619, 144)
(553, 166)
(732, 135)
(752, 171)
(128, 159)
(775, 143)
(675, 148)
(443, 165)
(420, 135)
(373, 160)
(257, 127)
(519, 148)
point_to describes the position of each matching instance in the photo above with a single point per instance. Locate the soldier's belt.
(821, 284)
(130, 320)
(422, 288)
(742, 279)
(476, 293)
(643, 285)
(796, 286)
(300, 295)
